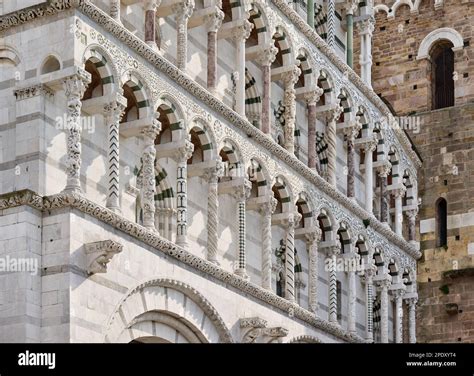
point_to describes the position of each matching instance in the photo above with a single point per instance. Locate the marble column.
(241, 194)
(113, 112)
(411, 214)
(114, 10)
(149, 135)
(150, 22)
(331, 23)
(412, 319)
(398, 297)
(399, 193)
(289, 80)
(266, 210)
(212, 176)
(332, 253)
(182, 155)
(384, 285)
(312, 99)
(351, 8)
(213, 23)
(74, 87)
(351, 134)
(366, 29)
(183, 11)
(369, 146)
(369, 301)
(265, 59)
(240, 35)
(310, 13)
(331, 117)
(351, 298)
(312, 239)
(383, 172)
(290, 223)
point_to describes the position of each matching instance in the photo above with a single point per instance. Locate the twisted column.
(290, 223)
(74, 87)
(240, 35)
(241, 194)
(312, 99)
(384, 285)
(289, 80)
(266, 209)
(182, 155)
(332, 116)
(398, 297)
(312, 239)
(370, 146)
(150, 22)
(351, 134)
(265, 59)
(113, 113)
(213, 23)
(412, 319)
(148, 188)
(212, 176)
(332, 253)
(183, 12)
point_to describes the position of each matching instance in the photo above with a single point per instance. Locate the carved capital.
(366, 26)
(292, 220)
(76, 84)
(400, 192)
(183, 11)
(384, 170)
(150, 132)
(352, 131)
(115, 109)
(242, 32)
(312, 97)
(291, 77)
(214, 20)
(33, 91)
(371, 145)
(212, 174)
(267, 56)
(184, 152)
(152, 4)
(98, 255)
(314, 235)
(412, 214)
(242, 192)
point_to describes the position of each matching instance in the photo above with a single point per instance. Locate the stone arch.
(347, 104)
(327, 223)
(381, 8)
(320, 20)
(365, 120)
(326, 82)
(253, 101)
(202, 131)
(305, 208)
(10, 55)
(380, 150)
(345, 237)
(105, 65)
(171, 298)
(306, 66)
(284, 191)
(442, 34)
(258, 176)
(394, 158)
(410, 184)
(140, 90)
(283, 40)
(261, 24)
(398, 4)
(394, 269)
(167, 106)
(232, 158)
(51, 63)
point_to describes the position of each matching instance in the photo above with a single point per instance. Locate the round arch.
(442, 34)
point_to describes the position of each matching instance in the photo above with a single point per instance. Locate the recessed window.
(441, 223)
(442, 80)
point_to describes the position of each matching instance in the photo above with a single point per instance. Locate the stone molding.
(76, 201)
(99, 254)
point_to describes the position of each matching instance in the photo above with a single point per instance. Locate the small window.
(441, 223)
(442, 60)
(50, 65)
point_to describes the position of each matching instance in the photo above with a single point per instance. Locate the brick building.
(423, 69)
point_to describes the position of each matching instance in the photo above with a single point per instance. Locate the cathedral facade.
(201, 171)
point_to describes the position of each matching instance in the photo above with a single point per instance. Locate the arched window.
(442, 70)
(441, 223)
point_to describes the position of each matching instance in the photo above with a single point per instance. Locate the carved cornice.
(78, 202)
(33, 91)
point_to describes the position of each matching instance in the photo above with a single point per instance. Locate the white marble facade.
(185, 172)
